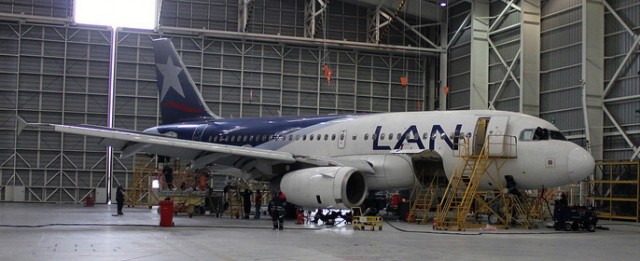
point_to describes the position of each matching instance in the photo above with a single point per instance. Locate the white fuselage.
(388, 140)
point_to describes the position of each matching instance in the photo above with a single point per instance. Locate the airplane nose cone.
(581, 164)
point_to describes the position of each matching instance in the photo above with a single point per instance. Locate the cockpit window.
(526, 135)
(540, 134)
(556, 135)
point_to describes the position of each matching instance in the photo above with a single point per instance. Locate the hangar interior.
(572, 62)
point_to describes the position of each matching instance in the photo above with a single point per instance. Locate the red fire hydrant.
(166, 213)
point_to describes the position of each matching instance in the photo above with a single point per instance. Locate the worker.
(276, 209)
(168, 176)
(120, 199)
(246, 200)
(258, 201)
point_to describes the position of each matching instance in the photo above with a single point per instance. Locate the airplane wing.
(130, 142)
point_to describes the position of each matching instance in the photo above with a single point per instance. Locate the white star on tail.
(170, 74)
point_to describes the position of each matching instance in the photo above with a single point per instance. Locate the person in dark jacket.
(246, 200)
(276, 209)
(120, 199)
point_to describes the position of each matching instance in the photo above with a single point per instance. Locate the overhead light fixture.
(443, 3)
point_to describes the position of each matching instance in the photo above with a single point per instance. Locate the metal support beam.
(593, 74)
(479, 87)
(530, 57)
(444, 58)
(314, 12)
(282, 39)
(245, 9)
(111, 108)
(418, 33)
(376, 21)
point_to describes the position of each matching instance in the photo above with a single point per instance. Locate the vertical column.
(444, 59)
(530, 57)
(111, 108)
(593, 73)
(479, 86)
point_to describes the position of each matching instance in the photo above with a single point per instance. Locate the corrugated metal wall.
(625, 111)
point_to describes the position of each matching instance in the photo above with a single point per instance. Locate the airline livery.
(335, 160)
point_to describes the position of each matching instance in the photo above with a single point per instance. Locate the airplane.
(334, 161)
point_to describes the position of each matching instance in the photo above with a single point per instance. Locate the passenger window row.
(305, 137)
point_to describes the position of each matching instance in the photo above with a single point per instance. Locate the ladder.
(462, 189)
(425, 196)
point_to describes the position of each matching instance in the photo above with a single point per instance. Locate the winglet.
(21, 124)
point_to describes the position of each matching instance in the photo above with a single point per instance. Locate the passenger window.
(342, 136)
(264, 137)
(326, 137)
(398, 136)
(374, 136)
(304, 137)
(382, 136)
(390, 136)
(215, 139)
(251, 138)
(366, 136)
(233, 138)
(425, 136)
(290, 137)
(354, 137)
(319, 136)
(311, 137)
(333, 137)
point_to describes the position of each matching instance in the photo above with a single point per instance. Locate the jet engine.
(325, 187)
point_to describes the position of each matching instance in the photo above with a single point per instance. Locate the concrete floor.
(35, 231)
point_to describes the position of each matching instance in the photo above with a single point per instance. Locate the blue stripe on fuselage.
(257, 128)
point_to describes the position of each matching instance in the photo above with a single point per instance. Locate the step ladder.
(425, 197)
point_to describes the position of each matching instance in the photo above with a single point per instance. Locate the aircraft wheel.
(380, 228)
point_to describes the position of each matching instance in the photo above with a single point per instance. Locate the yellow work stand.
(361, 222)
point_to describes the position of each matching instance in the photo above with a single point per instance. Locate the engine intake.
(325, 187)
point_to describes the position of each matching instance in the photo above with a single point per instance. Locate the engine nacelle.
(325, 187)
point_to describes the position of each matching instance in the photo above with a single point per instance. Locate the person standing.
(258, 201)
(246, 200)
(276, 209)
(120, 200)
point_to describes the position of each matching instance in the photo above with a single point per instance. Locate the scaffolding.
(144, 171)
(616, 191)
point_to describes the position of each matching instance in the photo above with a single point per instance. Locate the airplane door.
(197, 134)
(495, 132)
(480, 134)
(342, 139)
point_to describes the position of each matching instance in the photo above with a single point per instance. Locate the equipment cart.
(574, 218)
(184, 201)
(361, 222)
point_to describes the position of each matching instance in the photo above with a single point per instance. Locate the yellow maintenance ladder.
(425, 197)
(462, 190)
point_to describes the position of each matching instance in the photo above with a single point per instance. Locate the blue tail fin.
(179, 98)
